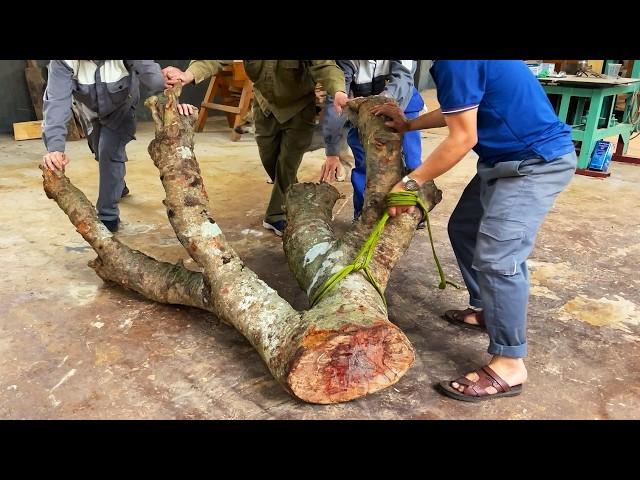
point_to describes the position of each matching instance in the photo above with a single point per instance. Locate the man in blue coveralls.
(526, 158)
(363, 78)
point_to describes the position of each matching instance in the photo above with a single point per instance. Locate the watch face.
(411, 185)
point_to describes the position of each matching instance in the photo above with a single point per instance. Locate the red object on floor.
(619, 157)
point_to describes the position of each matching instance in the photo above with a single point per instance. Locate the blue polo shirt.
(515, 118)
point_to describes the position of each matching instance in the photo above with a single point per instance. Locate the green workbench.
(598, 96)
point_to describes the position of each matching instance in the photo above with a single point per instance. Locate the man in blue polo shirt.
(526, 158)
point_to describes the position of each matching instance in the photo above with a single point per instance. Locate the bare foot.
(472, 318)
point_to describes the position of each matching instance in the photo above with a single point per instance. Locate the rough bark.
(237, 295)
(343, 348)
(313, 252)
(117, 263)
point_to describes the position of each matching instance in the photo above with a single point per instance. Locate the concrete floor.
(72, 347)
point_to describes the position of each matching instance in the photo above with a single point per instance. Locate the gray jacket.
(108, 91)
(363, 78)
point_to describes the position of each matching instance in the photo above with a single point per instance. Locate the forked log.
(341, 349)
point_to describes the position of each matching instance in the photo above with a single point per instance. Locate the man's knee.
(112, 149)
(297, 145)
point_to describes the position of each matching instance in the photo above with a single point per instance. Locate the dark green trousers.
(281, 146)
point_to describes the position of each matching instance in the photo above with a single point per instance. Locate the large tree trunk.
(375, 354)
(343, 348)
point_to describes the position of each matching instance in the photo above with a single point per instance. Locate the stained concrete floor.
(73, 347)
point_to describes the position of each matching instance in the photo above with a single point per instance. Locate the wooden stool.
(226, 84)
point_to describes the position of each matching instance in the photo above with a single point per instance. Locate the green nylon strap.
(364, 256)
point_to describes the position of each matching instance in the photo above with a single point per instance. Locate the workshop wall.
(15, 104)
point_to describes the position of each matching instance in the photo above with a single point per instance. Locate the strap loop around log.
(364, 256)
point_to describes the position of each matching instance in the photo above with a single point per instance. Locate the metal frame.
(598, 96)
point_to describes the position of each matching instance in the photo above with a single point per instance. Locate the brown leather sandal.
(476, 391)
(457, 318)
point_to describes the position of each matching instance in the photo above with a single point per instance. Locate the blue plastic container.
(601, 156)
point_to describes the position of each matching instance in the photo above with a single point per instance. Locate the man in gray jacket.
(107, 93)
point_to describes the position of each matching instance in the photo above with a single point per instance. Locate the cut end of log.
(338, 366)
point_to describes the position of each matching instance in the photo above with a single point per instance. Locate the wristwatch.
(410, 184)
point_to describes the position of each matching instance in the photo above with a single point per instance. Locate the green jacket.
(281, 87)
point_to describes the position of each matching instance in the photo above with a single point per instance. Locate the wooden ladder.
(226, 84)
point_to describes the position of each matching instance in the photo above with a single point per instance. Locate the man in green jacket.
(284, 114)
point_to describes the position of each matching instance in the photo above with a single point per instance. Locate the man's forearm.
(328, 74)
(203, 69)
(433, 119)
(150, 75)
(442, 159)
(57, 105)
